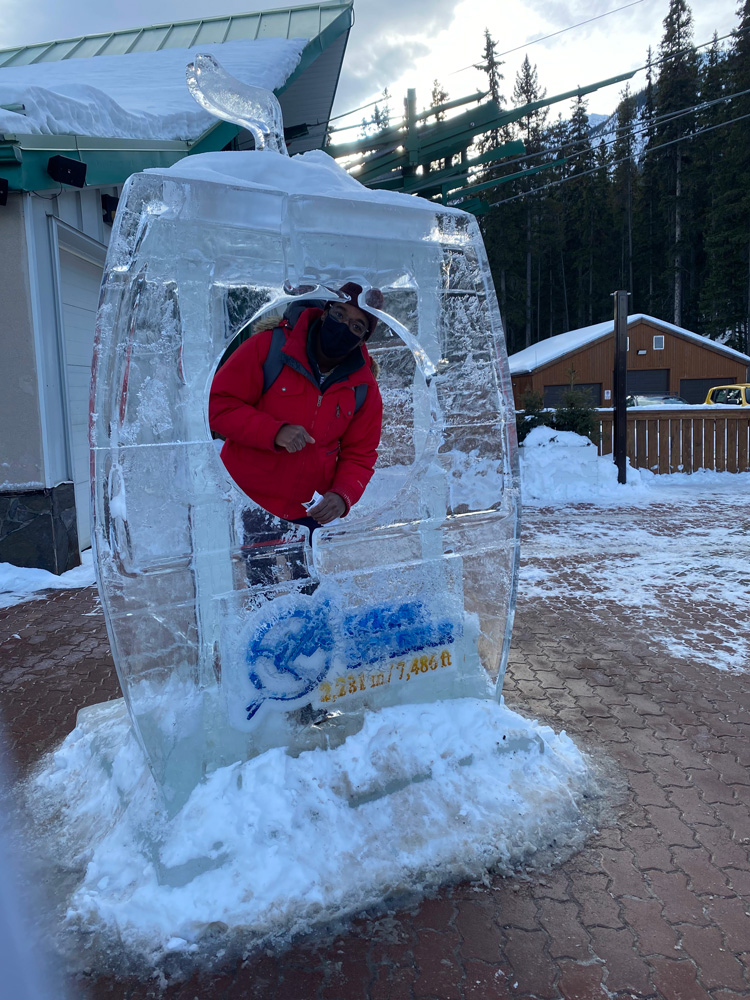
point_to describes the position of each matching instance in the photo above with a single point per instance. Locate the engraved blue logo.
(290, 655)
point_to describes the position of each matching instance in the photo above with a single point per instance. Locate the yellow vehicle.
(734, 395)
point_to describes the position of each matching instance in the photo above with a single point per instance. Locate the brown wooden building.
(662, 359)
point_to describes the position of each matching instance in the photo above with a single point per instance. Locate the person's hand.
(328, 509)
(293, 438)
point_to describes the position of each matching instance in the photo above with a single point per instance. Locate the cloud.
(560, 14)
(400, 16)
(366, 73)
(388, 37)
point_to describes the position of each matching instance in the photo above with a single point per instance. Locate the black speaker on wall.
(64, 170)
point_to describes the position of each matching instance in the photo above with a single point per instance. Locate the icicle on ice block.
(410, 597)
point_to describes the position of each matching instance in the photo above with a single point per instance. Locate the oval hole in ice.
(403, 438)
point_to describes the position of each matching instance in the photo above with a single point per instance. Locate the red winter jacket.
(345, 450)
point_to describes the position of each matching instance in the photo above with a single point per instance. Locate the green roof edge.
(111, 161)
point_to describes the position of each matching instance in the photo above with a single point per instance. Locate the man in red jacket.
(305, 416)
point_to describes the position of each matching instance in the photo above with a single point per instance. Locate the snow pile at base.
(563, 466)
(139, 95)
(18, 584)
(423, 794)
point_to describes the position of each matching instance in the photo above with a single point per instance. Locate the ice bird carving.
(228, 98)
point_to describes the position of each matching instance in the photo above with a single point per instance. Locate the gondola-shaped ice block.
(410, 597)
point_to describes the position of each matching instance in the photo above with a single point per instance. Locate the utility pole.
(412, 139)
(620, 449)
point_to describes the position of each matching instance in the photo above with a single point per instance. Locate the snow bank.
(560, 466)
(423, 794)
(140, 95)
(18, 584)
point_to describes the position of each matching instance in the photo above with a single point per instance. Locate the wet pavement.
(658, 902)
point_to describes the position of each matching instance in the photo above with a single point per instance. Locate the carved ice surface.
(255, 108)
(409, 599)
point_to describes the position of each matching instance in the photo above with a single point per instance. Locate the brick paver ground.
(656, 905)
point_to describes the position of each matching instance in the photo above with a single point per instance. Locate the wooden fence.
(683, 439)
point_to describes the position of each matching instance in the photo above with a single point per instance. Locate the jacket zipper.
(315, 417)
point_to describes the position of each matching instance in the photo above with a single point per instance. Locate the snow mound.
(422, 795)
(563, 466)
(18, 584)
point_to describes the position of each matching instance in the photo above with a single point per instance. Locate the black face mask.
(336, 339)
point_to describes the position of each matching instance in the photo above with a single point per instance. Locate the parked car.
(734, 395)
(641, 400)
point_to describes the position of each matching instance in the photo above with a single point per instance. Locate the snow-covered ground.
(668, 551)
(18, 584)
(422, 795)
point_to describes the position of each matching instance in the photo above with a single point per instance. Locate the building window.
(659, 343)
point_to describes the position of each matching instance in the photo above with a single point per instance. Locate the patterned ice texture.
(230, 633)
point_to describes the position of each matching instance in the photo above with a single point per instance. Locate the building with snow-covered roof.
(662, 359)
(117, 103)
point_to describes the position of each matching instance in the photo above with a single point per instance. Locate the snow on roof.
(141, 95)
(554, 348)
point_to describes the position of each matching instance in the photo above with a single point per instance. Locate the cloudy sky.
(408, 43)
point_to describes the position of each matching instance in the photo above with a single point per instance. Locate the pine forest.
(655, 200)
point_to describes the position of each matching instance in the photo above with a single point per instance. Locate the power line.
(355, 110)
(624, 159)
(543, 38)
(507, 52)
(734, 33)
(638, 131)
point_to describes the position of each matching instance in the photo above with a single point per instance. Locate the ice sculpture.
(409, 598)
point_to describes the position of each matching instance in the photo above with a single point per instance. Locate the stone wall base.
(38, 528)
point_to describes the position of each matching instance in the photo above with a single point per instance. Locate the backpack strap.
(360, 395)
(273, 364)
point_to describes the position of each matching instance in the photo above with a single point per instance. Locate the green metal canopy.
(306, 97)
(402, 157)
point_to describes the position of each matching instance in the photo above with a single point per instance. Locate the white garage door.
(79, 286)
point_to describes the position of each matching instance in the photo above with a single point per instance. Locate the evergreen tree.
(663, 210)
(490, 65)
(604, 238)
(380, 118)
(624, 183)
(580, 214)
(553, 214)
(648, 240)
(725, 295)
(526, 90)
(439, 96)
(676, 92)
